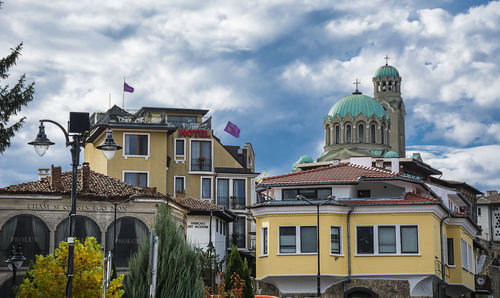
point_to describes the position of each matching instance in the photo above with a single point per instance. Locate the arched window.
(28, 231)
(383, 86)
(130, 232)
(390, 85)
(361, 133)
(372, 133)
(337, 134)
(359, 292)
(348, 133)
(382, 140)
(327, 135)
(84, 227)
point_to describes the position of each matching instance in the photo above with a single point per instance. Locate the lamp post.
(14, 262)
(78, 131)
(317, 204)
(130, 198)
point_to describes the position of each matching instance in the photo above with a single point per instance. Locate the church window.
(361, 133)
(337, 134)
(348, 133)
(390, 85)
(383, 86)
(372, 133)
(382, 135)
(327, 135)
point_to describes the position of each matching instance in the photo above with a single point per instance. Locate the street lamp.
(317, 204)
(130, 198)
(14, 262)
(78, 130)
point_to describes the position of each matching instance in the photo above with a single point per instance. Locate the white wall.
(484, 221)
(198, 227)
(380, 189)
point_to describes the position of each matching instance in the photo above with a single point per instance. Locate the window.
(206, 188)
(478, 211)
(372, 133)
(409, 239)
(387, 239)
(450, 253)
(361, 133)
(348, 133)
(382, 135)
(264, 241)
(223, 192)
(364, 193)
(337, 134)
(335, 239)
(470, 257)
(239, 190)
(310, 193)
(239, 232)
(306, 242)
(364, 239)
(179, 184)
(136, 144)
(181, 121)
(137, 179)
(217, 225)
(463, 248)
(180, 148)
(201, 156)
(130, 234)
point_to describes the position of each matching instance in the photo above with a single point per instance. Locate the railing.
(202, 165)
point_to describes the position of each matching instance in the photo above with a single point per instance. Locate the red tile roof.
(99, 184)
(342, 173)
(198, 205)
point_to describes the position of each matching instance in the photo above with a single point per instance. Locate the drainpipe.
(442, 288)
(349, 243)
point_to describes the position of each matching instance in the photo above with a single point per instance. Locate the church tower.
(387, 92)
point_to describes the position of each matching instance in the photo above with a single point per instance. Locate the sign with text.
(201, 133)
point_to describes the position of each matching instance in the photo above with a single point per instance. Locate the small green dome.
(386, 71)
(294, 167)
(305, 159)
(356, 104)
(390, 154)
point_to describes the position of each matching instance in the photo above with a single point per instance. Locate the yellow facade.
(425, 262)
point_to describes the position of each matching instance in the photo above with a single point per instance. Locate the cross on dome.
(386, 59)
(356, 83)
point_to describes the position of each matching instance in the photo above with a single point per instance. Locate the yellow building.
(175, 151)
(379, 236)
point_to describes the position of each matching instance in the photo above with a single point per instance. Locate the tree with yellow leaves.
(47, 277)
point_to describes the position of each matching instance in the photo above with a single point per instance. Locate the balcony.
(201, 164)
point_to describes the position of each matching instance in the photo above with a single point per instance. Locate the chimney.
(85, 176)
(43, 173)
(490, 193)
(55, 178)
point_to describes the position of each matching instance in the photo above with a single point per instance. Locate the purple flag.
(127, 88)
(232, 129)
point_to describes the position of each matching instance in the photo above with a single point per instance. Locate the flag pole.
(123, 94)
(109, 101)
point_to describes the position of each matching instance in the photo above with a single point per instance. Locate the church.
(360, 125)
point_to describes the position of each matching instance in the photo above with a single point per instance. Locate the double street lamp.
(14, 262)
(79, 126)
(317, 203)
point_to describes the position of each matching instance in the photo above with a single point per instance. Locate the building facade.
(379, 235)
(176, 151)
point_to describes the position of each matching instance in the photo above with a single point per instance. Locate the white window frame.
(297, 241)
(140, 156)
(264, 243)
(231, 189)
(182, 158)
(341, 253)
(469, 250)
(185, 187)
(463, 253)
(211, 187)
(375, 240)
(136, 172)
(211, 153)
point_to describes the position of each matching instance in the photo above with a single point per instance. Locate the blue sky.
(272, 67)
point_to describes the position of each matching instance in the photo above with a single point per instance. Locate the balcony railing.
(202, 165)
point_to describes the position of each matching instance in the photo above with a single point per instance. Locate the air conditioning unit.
(483, 283)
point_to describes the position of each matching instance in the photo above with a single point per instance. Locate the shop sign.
(198, 225)
(201, 133)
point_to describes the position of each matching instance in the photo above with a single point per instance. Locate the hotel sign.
(201, 133)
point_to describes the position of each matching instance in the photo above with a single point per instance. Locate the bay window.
(335, 239)
(264, 240)
(396, 239)
(298, 239)
(409, 239)
(387, 239)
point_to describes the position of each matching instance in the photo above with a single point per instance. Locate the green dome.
(390, 154)
(386, 71)
(294, 167)
(305, 159)
(356, 104)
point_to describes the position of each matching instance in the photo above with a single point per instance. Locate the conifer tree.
(12, 99)
(248, 288)
(236, 265)
(179, 270)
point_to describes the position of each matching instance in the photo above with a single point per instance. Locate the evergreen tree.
(179, 267)
(237, 266)
(12, 99)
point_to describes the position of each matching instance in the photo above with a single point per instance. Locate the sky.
(274, 68)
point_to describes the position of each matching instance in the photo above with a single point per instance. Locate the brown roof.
(99, 184)
(494, 199)
(342, 173)
(199, 205)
